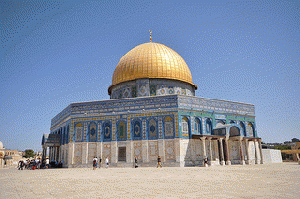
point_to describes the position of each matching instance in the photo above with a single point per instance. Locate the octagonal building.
(153, 111)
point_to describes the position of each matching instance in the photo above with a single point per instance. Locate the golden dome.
(151, 60)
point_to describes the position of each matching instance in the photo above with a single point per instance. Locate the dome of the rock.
(153, 61)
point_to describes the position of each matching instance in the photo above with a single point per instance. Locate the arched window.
(185, 125)
(169, 127)
(106, 130)
(152, 129)
(243, 129)
(234, 131)
(121, 131)
(220, 123)
(250, 130)
(93, 132)
(78, 132)
(198, 129)
(137, 134)
(208, 126)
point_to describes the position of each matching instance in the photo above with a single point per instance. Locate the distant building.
(153, 112)
(8, 157)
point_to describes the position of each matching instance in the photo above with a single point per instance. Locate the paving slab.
(280, 180)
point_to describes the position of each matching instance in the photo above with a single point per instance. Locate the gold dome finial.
(150, 35)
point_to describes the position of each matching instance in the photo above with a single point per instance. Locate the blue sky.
(54, 53)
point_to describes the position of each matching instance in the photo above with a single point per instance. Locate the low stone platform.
(281, 180)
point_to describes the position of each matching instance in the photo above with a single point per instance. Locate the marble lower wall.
(271, 156)
(173, 152)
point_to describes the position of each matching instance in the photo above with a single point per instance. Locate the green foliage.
(282, 147)
(29, 153)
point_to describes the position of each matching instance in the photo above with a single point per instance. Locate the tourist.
(205, 161)
(100, 162)
(135, 162)
(33, 165)
(38, 165)
(25, 163)
(159, 162)
(20, 165)
(95, 163)
(47, 163)
(107, 162)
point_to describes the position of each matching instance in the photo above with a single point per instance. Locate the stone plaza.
(277, 180)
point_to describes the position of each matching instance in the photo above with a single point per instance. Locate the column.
(228, 162)
(60, 150)
(255, 150)
(210, 152)
(161, 149)
(84, 153)
(194, 151)
(54, 153)
(131, 152)
(71, 154)
(222, 152)
(247, 151)
(260, 151)
(43, 154)
(49, 153)
(114, 152)
(203, 148)
(241, 151)
(145, 151)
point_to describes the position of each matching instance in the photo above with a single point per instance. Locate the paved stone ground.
(281, 180)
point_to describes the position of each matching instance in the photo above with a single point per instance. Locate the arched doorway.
(234, 131)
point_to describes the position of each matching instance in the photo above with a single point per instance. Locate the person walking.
(135, 162)
(100, 162)
(107, 162)
(159, 162)
(20, 165)
(47, 163)
(95, 163)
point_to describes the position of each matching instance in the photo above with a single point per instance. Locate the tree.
(29, 153)
(282, 147)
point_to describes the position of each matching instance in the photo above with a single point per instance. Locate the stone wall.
(271, 156)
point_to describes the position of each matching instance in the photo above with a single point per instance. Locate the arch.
(243, 128)
(250, 130)
(121, 130)
(198, 126)
(232, 122)
(220, 123)
(234, 131)
(169, 127)
(92, 134)
(185, 125)
(208, 126)
(152, 129)
(78, 132)
(136, 129)
(106, 131)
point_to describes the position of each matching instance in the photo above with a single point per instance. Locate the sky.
(54, 53)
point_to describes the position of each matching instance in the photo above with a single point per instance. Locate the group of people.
(95, 162)
(39, 164)
(29, 164)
